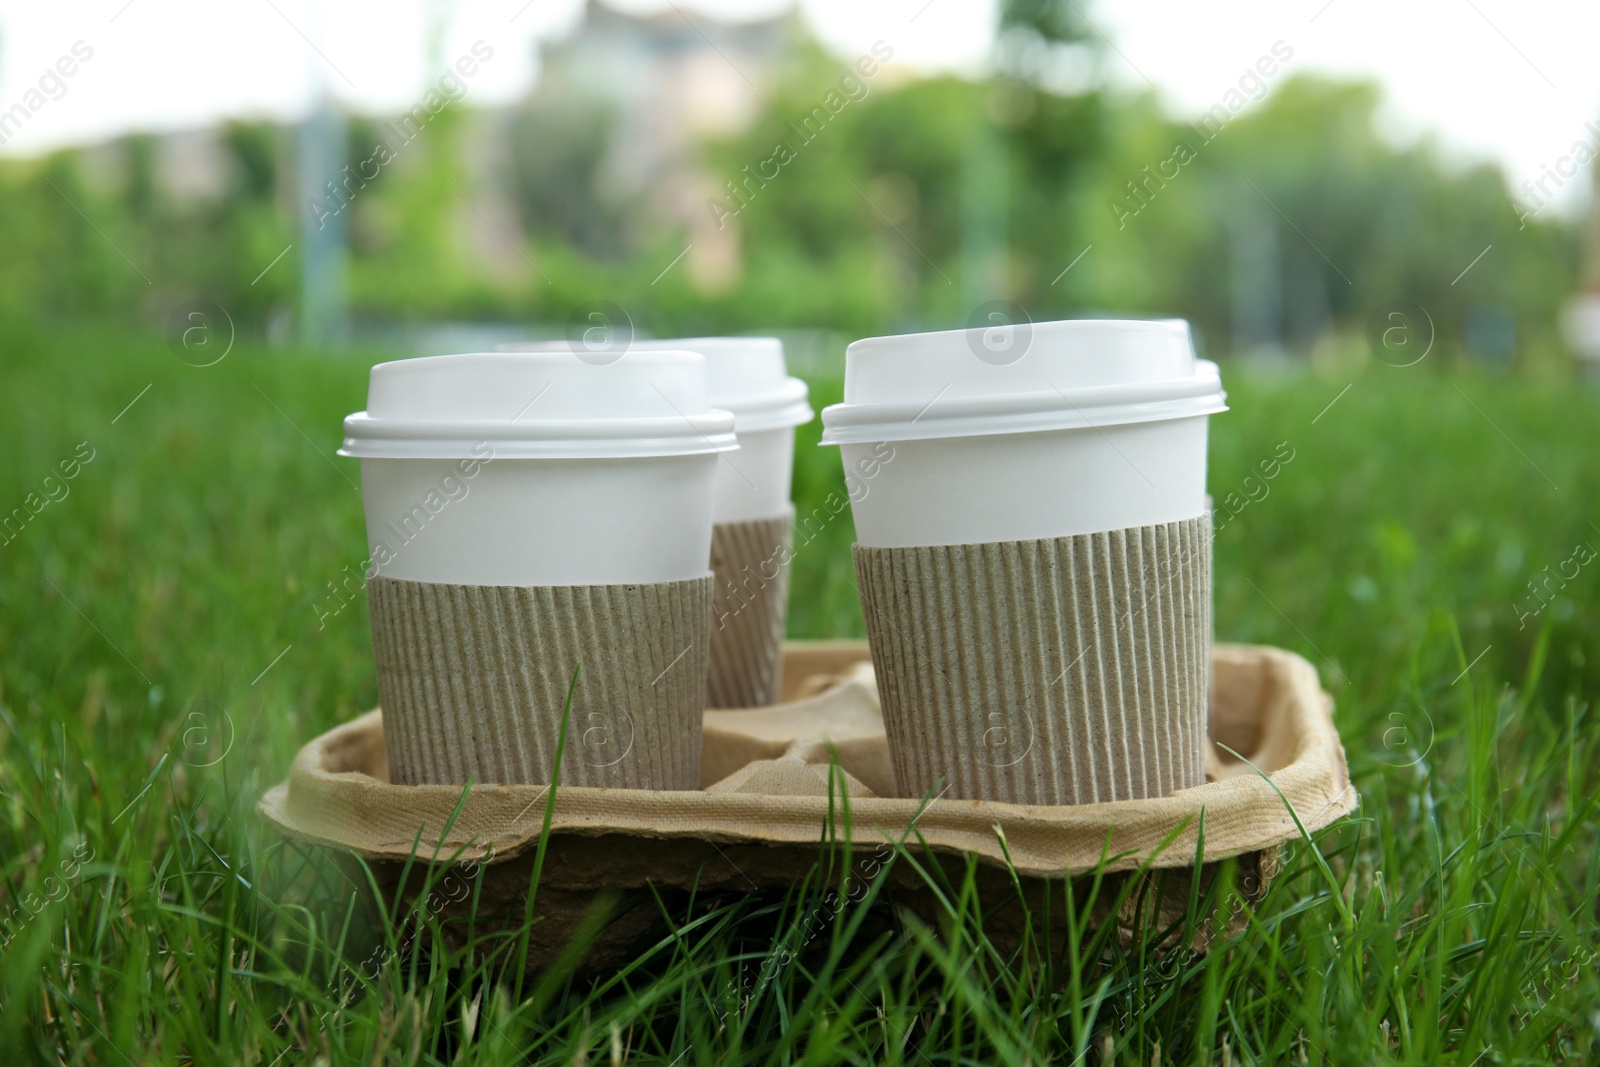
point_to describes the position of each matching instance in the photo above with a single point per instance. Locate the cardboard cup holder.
(764, 805)
(475, 677)
(1066, 670)
(749, 561)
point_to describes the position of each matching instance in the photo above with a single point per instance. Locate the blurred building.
(671, 79)
(656, 86)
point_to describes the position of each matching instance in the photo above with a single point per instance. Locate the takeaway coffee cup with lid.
(1034, 554)
(527, 513)
(753, 532)
(751, 540)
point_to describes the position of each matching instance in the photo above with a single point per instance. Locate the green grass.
(162, 659)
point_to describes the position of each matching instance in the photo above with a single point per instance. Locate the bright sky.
(1514, 80)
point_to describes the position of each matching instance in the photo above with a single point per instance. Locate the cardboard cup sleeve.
(1070, 670)
(750, 561)
(473, 680)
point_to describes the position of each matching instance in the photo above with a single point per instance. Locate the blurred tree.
(874, 220)
(254, 148)
(1354, 220)
(414, 261)
(55, 265)
(139, 191)
(558, 151)
(1036, 39)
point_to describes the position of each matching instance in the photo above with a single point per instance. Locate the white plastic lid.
(1016, 379)
(747, 374)
(539, 404)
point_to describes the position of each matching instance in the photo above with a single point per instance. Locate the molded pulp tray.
(760, 815)
(760, 821)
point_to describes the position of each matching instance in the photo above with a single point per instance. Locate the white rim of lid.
(1055, 407)
(413, 436)
(784, 408)
(687, 435)
(781, 403)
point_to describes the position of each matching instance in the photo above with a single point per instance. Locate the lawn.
(172, 628)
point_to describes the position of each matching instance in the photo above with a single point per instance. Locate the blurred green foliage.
(881, 219)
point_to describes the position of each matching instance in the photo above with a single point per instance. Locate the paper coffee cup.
(527, 513)
(752, 509)
(1033, 554)
(750, 543)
